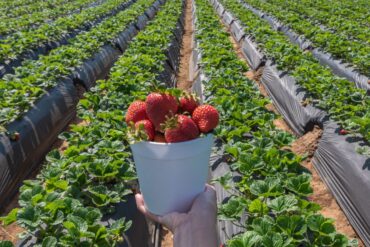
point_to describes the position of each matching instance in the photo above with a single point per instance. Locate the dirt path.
(183, 80)
(306, 145)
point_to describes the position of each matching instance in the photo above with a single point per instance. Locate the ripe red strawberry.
(206, 117)
(14, 136)
(136, 112)
(180, 128)
(343, 132)
(159, 137)
(146, 126)
(158, 106)
(188, 103)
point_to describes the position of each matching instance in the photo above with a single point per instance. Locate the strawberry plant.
(273, 188)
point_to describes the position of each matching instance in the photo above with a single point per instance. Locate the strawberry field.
(285, 82)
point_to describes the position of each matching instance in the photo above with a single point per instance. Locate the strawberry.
(136, 112)
(158, 106)
(14, 136)
(180, 128)
(146, 126)
(188, 103)
(343, 132)
(159, 137)
(206, 117)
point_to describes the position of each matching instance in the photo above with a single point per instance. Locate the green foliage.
(38, 13)
(32, 80)
(273, 188)
(6, 244)
(345, 103)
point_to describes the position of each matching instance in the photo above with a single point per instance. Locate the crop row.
(34, 19)
(16, 44)
(32, 80)
(353, 52)
(347, 26)
(345, 103)
(16, 8)
(65, 204)
(345, 8)
(273, 188)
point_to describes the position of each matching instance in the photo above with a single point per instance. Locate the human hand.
(195, 228)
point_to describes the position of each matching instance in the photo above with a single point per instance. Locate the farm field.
(290, 80)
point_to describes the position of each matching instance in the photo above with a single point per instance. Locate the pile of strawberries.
(164, 117)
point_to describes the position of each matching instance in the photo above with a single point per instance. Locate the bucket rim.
(208, 135)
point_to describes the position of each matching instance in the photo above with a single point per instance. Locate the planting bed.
(280, 167)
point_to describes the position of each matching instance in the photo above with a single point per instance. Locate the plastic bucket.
(171, 175)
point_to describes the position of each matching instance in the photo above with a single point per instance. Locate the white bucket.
(171, 175)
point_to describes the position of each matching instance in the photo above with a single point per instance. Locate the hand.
(198, 227)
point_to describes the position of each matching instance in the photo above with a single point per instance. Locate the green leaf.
(11, 217)
(300, 184)
(320, 224)
(266, 188)
(6, 244)
(248, 239)
(233, 208)
(285, 203)
(61, 184)
(49, 241)
(263, 225)
(274, 239)
(29, 217)
(258, 207)
(294, 225)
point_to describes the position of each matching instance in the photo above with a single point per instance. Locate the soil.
(306, 145)
(183, 79)
(10, 232)
(167, 238)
